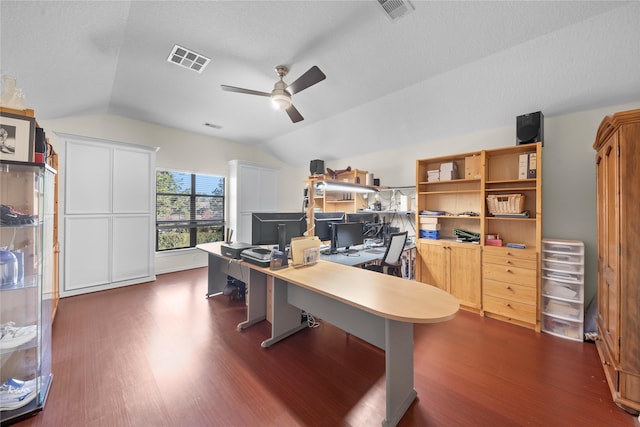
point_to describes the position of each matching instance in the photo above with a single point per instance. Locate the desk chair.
(391, 261)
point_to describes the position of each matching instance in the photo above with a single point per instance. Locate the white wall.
(567, 163)
(568, 173)
(179, 150)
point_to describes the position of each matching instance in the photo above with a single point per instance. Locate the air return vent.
(188, 59)
(396, 9)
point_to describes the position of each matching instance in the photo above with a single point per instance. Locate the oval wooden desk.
(377, 308)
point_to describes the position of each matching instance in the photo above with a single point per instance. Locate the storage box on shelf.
(563, 288)
(26, 293)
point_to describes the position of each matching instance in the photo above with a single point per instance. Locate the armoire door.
(608, 243)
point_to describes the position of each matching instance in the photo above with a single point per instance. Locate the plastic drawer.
(562, 309)
(572, 267)
(562, 276)
(562, 247)
(563, 290)
(562, 328)
(562, 257)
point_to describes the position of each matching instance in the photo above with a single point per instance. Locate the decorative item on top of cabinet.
(26, 290)
(618, 190)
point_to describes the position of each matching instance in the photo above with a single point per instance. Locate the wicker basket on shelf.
(500, 204)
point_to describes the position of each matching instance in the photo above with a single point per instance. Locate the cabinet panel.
(509, 261)
(131, 240)
(517, 275)
(452, 268)
(88, 252)
(88, 179)
(465, 283)
(510, 309)
(519, 293)
(433, 265)
(132, 178)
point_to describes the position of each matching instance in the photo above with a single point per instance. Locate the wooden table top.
(387, 296)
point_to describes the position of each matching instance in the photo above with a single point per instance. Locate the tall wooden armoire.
(618, 210)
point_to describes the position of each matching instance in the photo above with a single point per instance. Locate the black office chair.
(392, 260)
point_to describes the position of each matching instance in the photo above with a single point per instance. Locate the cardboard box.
(472, 167)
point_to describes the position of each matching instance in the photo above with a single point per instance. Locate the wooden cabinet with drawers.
(488, 277)
(510, 284)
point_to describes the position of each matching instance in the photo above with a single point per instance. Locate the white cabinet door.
(87, 186)
(109, 214)
(87, 254)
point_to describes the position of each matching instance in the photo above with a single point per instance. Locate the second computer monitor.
(346, 235)
(365, 217)
(324, 222)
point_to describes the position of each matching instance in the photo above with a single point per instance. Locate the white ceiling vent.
(396, 9)
(188, 59)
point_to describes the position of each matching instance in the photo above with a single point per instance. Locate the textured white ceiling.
(447, 68)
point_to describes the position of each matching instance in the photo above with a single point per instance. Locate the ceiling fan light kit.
(281, 93)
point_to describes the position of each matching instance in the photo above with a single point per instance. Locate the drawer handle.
(508, 304)
(508, 261)
(508, 287)
(507, 270)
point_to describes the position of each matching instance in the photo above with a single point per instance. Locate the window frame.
(191, 224)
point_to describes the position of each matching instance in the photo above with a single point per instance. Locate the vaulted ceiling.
(443, 69)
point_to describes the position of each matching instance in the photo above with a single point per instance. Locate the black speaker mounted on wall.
(316, 167)
(530, 128)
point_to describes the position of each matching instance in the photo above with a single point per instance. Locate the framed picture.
(16, 137)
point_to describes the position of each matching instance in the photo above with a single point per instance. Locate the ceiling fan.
(281, 93)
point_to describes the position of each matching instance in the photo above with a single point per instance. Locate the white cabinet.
(252, 188)
(563, 288)
(108, 201)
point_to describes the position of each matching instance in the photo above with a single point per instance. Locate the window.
(189, 209)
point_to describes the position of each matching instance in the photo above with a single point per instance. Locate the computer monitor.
(346, 235)
(277, 228)
(365, 217)
(323, 222)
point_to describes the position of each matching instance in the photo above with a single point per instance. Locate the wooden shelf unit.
(335, 201)
(480, 174)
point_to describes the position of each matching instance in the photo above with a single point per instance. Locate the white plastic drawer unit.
(562, 265)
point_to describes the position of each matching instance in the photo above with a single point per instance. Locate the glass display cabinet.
(26, 289)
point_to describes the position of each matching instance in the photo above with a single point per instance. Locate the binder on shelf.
(523, 166)
(533, 165)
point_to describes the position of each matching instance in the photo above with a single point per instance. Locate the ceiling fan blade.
(241, 90)
(294, 114)
(311, 77)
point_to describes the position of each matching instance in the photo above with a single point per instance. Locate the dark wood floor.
(160, 354)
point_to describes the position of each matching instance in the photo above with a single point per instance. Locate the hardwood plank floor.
(161, 354)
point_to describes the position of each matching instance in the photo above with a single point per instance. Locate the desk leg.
(286, 319)
(216, 277)
(398, 370)
(256, 299)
